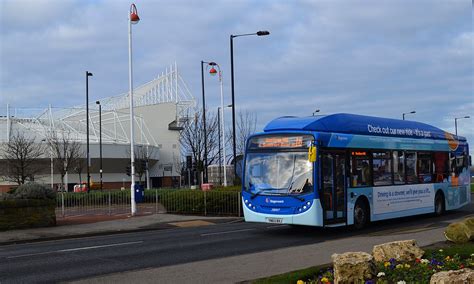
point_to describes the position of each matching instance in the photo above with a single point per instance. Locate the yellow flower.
(407, 265)
(386, 264)
(399, 266)
(300, 282)
(324, 280)
(448, 258)
(439, 266)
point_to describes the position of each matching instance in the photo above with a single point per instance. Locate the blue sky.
(372, 57)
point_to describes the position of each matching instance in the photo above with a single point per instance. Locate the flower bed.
(418, 271)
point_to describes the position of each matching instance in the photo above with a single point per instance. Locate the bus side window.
(411, 173)
(398, 167)
(441, 168)
(360, 169)
(424, 167)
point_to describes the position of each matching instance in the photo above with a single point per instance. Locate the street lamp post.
(456, 122)
(316, 111)
(132, 19)
(411, 112)
(259, 33)
(213, 71)
(88, 74)
(219, 143)
(100, 141)
(204, 120)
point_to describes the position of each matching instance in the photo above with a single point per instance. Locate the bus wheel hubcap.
(359, 212)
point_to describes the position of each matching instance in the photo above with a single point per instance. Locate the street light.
(411, 112)
(132, 19)
(88, 74)
(456, 122)
(316, 111)
(100, 140)
(204, 120)
(213, 71)
(259, 33)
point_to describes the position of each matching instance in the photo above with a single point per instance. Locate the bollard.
(240, 203)
(156, 201)
(110, 203)
(205, 204)
(62, 204)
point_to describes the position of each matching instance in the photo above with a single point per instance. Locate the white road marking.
(226, 232)
(75, 249)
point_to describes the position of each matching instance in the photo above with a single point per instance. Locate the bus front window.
(278, 173)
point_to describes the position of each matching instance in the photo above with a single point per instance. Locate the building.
(161, 107)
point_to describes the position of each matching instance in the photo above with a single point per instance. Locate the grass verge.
(293, 276)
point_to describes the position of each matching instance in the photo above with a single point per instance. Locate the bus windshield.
(278, 173)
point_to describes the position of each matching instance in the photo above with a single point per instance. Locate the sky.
(380, 58)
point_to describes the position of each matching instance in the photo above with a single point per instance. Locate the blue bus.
(347, 169)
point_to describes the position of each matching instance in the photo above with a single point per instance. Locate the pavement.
(73, 227)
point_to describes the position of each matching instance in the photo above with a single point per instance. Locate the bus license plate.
(274, 220)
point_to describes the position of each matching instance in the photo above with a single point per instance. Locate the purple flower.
(369, 282)
(392, 260)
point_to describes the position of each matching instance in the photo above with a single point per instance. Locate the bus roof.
(360, 124)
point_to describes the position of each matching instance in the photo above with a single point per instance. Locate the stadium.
(160, 109)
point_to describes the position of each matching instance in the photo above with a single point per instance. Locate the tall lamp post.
(88, 74)
(213, 71)
(132, 19)
(411, 112)
(100, 141)
(456, 122)
(316, 111)
(204, 120)
(259, 33)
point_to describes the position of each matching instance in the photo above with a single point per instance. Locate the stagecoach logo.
(268, 200)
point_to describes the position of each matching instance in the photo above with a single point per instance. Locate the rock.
(353, 267)
(469, 222)
(457, 233)
(461, 276)
(406, 250)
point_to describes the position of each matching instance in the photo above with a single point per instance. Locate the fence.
(155, 201)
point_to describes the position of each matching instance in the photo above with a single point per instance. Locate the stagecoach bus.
(347, 169)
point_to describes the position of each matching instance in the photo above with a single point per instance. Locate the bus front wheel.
(439, 204)
(361, 214)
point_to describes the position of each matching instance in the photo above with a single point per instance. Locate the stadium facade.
(161, 108)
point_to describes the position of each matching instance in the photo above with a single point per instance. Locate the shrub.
(33, 191)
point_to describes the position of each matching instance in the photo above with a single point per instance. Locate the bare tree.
(66, 152)
(142, 159)
(192, 139)
(21, 154)
(246, 124)
(80, 165)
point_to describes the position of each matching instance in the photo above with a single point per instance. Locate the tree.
(66, 152)
(80, 165)
(192, 140)
(246, 124)
(142, 159)
(21, 154)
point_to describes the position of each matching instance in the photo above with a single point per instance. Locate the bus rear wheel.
(439, 204)
(361, 214)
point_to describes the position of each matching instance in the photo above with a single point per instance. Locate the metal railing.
(154, 201)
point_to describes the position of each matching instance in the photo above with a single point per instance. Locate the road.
(72, 259)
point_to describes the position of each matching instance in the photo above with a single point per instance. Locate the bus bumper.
(312, 217)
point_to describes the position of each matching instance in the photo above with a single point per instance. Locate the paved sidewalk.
(90, 227)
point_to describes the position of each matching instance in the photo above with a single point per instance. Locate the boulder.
(406, 250)
(457, 233)
(461, 276)
(469, 222)
(353, 267)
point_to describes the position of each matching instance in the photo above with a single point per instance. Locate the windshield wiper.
(258, 193)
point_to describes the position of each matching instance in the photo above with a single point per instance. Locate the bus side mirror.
(312, 153)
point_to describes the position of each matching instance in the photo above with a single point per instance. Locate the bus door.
(333, 176)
